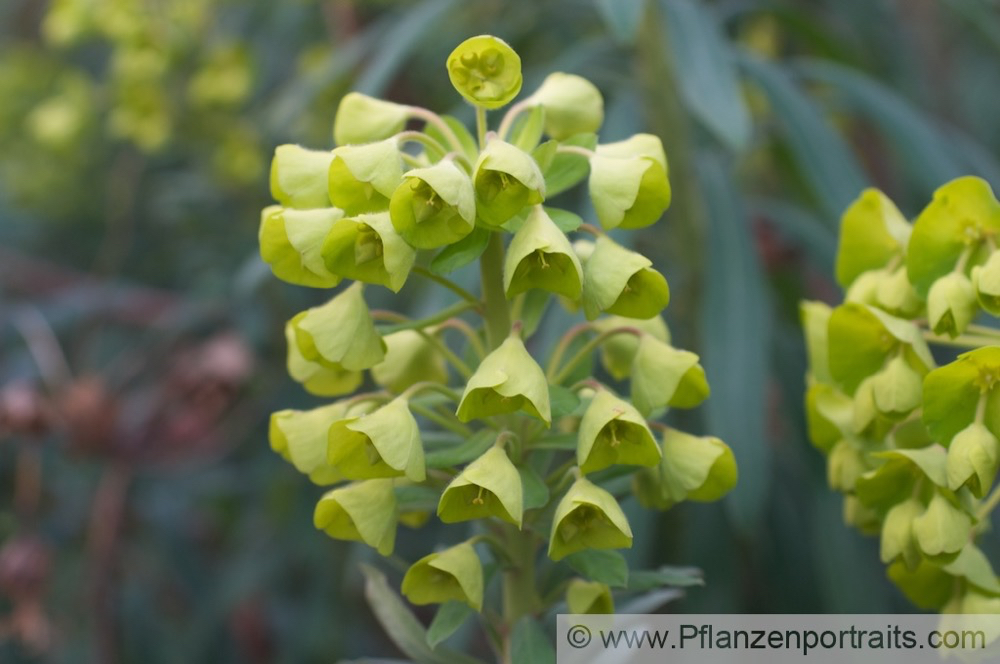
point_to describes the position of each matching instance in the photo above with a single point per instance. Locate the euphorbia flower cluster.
(460, 408)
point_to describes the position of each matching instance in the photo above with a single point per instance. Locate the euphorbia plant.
(911, 437)
(465, 419)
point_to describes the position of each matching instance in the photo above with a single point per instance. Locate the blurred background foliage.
(142, 515)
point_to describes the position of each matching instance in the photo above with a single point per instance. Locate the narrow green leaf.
(566, 170)
(676, 577)
(536, 493)
(622, 18)
(528, 128)
(462, 252)
(401, 625)
(565, 220)
(447, 620)
(606, 566)
(471, 449)
(530, 644)
(705, 71)
(536, 303)
(563, 400)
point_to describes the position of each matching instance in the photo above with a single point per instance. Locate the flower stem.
(508, 119)
(447, 283)
(494, 300)
(449, 423)
(439, 317)
(437, 121)
(481, 126)
(962, 340)
(990, 504)
(589, 348)
(520, 594)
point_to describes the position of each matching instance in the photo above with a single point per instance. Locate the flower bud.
(844, 466)
(815, 319)
(613, 432)
(618, 351)
(434, 206)
(629, 192)
(637, 145)
(507, 380)
(290, 242)
(588, 517)
(986, 281)
(943, 529)
(300, 437)
(665, 376)
(897, 389)
(506, 180)
(486, 71)
(299, 177)
(383, 443)
(367, 248)
(591, 597)
(322, 379)
(865, 288)
(360, 512)
(540, 256)
(453, 574)
(951, 304)
(364, 119)
(699, 468)
(897, 538)
(361, 178)
(619, 281)
(489, 486)
(409, 359)
(573, 105)
(340, 334)
(895, 294)
(973, 458)
(861, 516)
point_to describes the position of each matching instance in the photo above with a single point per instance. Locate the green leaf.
(563, 400)
(472, 448)
(447, 620)
(931, 460)
(530, 644)
(528, 128)
(676, 577)
(566, 170)
(536, 303)
(736, 355)
(606, 566)
(951, 394)
(536, 493)
(825, 161)
(401, 625)
(706, 73)
(564, 220)
(469, 146)
(622, 18)
(975, 566)
(462, 252)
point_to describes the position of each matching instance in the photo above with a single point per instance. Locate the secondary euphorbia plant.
(911, 436)
(463, 417)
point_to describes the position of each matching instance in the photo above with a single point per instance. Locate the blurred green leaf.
(566, 170)
(466, 451)
(449, 617)
(606, 566)
(462, 252)
(677, 577)
(530, 644)
(622, 17)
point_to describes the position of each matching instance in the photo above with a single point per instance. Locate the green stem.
(421, 138)
(439, 317)
(494, 300)
(575, 149)
(481, 126)
(984, 331)
(466, 330)
(447, 283)
(431, 386)
(589, 348)
(962, 340)
(450, 424)
(520, 592)
(508, 119)
(436, 120)
(564, 343)
(988, 505)
(419, 327)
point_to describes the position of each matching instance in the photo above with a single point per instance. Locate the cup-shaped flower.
(540, 256)
(489, 486)
(326, 379)
(619, 281)
(613, 432)
(588, 517)
(943, 529)
(290, 242)
(453, 574)
(409, 359)
(986, 281)
(506, 179)
(360, 512)
(636, 145)
(618, 351)
(973, 457)
(665, 376)
(364, 119)
(300, 437)
(897, 538)
(696, 468)
(951, 304)
(507, 380)
(631, 192)
(573, 105)
(367, 248)
(299, 177)
(434, 206)
(383, 443)
(486, 71)
(361, 178)
(845, 464)
(339, 334)
(897, 389)
(592, 597)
